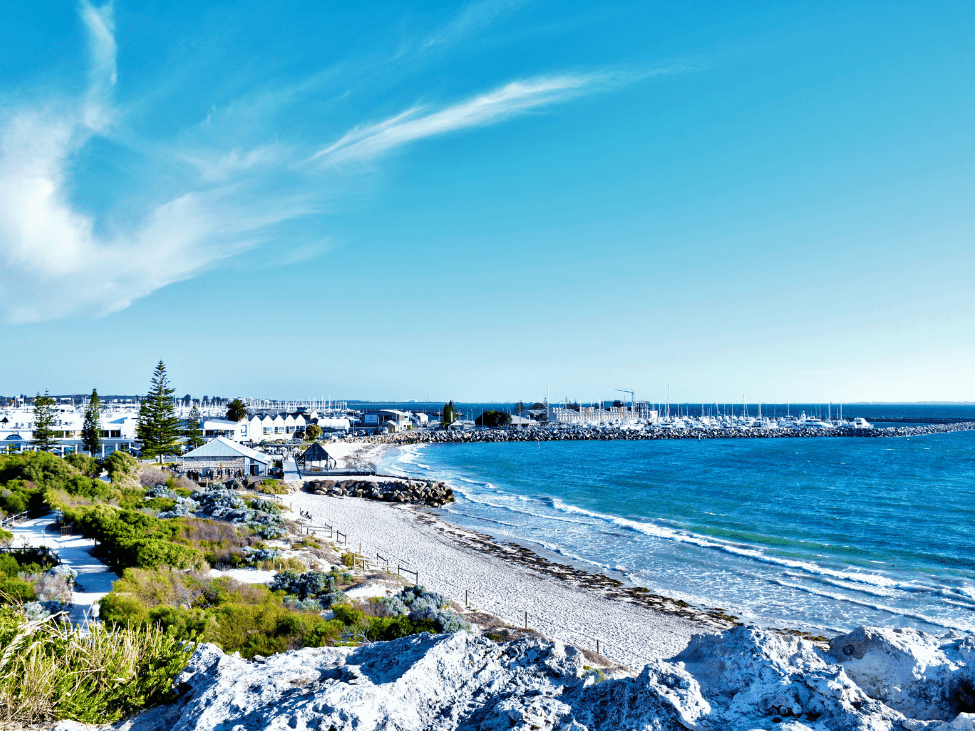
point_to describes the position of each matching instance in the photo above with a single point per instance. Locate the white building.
(118, 428)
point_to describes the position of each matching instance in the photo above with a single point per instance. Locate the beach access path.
(94, 580)
(627, 633)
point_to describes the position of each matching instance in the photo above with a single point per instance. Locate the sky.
(482, 200)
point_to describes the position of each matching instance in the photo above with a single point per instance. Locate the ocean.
(821, 534)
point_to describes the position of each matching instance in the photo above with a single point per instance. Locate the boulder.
(924, 676)
(756, 676)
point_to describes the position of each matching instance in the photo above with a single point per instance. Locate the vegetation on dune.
(271, 486)
(257, 620)
(246, 618)
(51, 671)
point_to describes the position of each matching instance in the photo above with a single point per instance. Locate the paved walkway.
(95, 579)
(290, 467)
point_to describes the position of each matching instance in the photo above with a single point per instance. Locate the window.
(243, 431)
(278, 430)
(268, 430)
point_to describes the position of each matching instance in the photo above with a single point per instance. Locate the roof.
(223, 447)
(316, 453)
(213, 423)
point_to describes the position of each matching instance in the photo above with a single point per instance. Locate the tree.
(194, 430)
(236, 410)
(493, 419)
(91, 430)
(313, 431)
(44, 435)
(158, 428)
(449, 415)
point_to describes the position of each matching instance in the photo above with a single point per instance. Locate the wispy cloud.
(419, 122)
(474, 17)
(54, 261)
(217, 198)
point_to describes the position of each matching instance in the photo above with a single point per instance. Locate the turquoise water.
(817, 534)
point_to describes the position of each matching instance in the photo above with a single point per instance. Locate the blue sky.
(466, 200)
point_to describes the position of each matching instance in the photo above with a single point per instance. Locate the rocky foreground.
(745, 678)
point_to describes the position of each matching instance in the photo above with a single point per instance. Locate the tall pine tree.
(158, 428)
(44, 436)
(194, 431)
(91, 430)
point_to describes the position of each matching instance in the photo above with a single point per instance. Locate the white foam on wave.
(656, 530)
(877, 606)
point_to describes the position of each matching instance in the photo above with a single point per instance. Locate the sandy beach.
(627, 633)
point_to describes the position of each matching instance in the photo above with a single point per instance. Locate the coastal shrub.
(18, 496)
(222, 504)
(238, 617)
(51, 671)
(5, 537)
(43, 469)
(85, 464)
(132, 538)
(423, 607)
(222, 544)
(273, 487)
(16, 591)
(122, 467)
(312, 588)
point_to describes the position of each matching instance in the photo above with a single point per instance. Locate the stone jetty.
(412, 492)
(577, 433)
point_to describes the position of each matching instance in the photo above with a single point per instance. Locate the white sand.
(627, 633)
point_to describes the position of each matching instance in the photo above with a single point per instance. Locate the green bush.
(150, 552)
(5, 537)
(121, 610)
(85, 464)
(132, 538)
(18, 496)
(16, 591)
(41, 468)
(121, 466)
(273, 487)
(96, 676)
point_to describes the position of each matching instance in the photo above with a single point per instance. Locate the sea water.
(818, 534)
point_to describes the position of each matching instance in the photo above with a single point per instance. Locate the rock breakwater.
(412, 492)
(584, 433)
(745, 678)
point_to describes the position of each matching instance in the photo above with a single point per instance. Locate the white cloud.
(54, 263)
(514, 98)
(57, 259)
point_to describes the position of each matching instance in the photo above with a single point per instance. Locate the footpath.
(94, 580)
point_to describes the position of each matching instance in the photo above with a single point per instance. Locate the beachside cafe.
(317, 459)
(224, 459)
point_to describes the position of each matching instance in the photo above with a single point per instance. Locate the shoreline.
(579, 608)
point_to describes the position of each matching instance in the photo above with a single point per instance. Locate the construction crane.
(632, 397)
